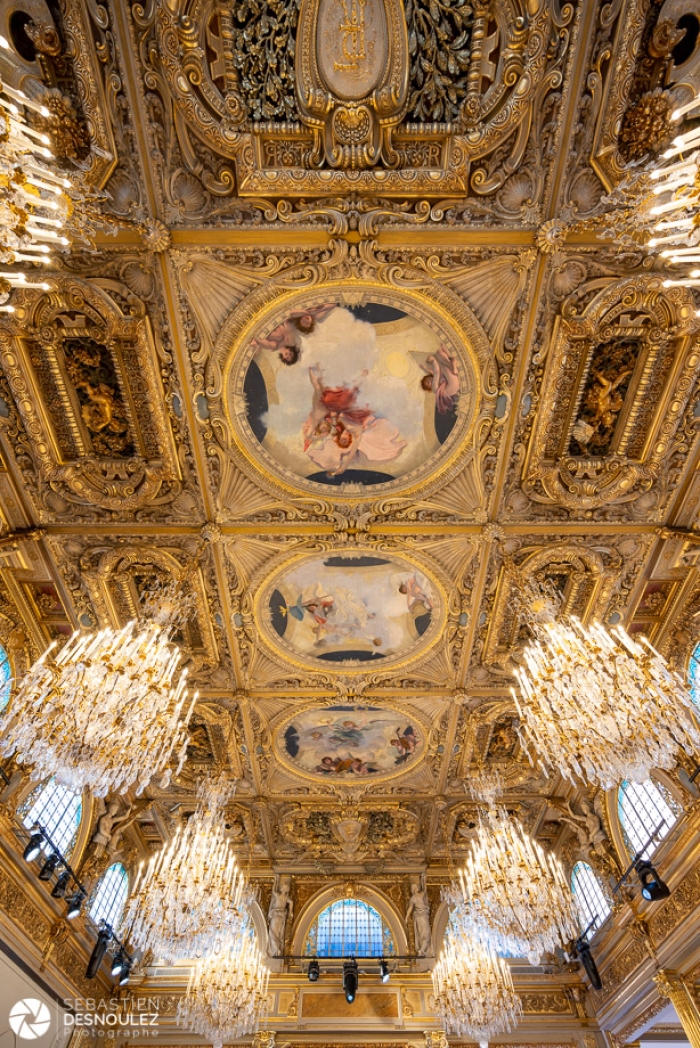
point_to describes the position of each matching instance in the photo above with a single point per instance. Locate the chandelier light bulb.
(597, 706)
(109, 710)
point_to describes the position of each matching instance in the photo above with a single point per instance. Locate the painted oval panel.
(364, 394)
(351, 608)
(352, 46)
(351, 742)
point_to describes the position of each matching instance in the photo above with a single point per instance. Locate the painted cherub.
(441, 378)
(285, 339)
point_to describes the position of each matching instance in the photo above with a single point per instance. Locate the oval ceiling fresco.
(327, 393)
(351, 742)
(348, 609)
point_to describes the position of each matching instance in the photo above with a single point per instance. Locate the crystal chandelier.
(34, 200)
(227, 993)
(106, 711)
(676, 188)
(657, 205)
(473, 989)
(511, 894)
(597, 706)
(191, 899)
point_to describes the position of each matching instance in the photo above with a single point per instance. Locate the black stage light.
(118, 961)
(583, 952)
(314, 971)
(75, 904)
(59, 888)
(125, 973)
(350, 980)
(653, 888)
(384, 970)
(104, 937)
(34, 847)
(49, 868)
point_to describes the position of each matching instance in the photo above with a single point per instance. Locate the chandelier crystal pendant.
(599, 707)
(473, 990)
(227, 993)
(108, 710)
(511, 895)
(191, 899)
(34, 199)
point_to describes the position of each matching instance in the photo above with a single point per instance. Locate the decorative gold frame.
(434, 304)
(283, 720)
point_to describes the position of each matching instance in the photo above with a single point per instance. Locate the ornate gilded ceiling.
(368, 367)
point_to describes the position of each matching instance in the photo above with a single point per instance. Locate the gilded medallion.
(330, 393)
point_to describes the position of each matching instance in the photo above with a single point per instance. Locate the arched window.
(349, 928)
(641, 808)
(694, 675)
(57, 809)
(5, 678)
(110, 896)
(590, 898)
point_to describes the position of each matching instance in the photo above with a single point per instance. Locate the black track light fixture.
(653, 888)
(314, 971)
(350, 980)
(582, 949)
(75, 904)
(33, 847)
(384, 970)
(125, 973)
(104, 937)
(61, 886)
(119, 961)
(49, 868)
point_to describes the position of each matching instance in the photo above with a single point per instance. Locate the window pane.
(5, 675)
(110, 897)
(349, 928)
(694, 676)
(590, 898)
(641, 808)
(58, 811)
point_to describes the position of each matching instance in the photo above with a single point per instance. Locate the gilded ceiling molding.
(117, 578)
(622, 367)
(86, 380)
(278, 142)
(584, 575)
(345, 282)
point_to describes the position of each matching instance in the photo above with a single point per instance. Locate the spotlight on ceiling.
(60, 887)
(653, 888)
(350, 980)
(104, 937)
(33, 847)
(119, 961)
(384, 970)
(125, 973)
(314, 971)
(49, 868)
(75, 904)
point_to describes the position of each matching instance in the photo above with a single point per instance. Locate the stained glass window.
(110, 896)
(57, 809)
(642, 807)
(590, 898)
(694, 675)
(349, 928)
(5, 677)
